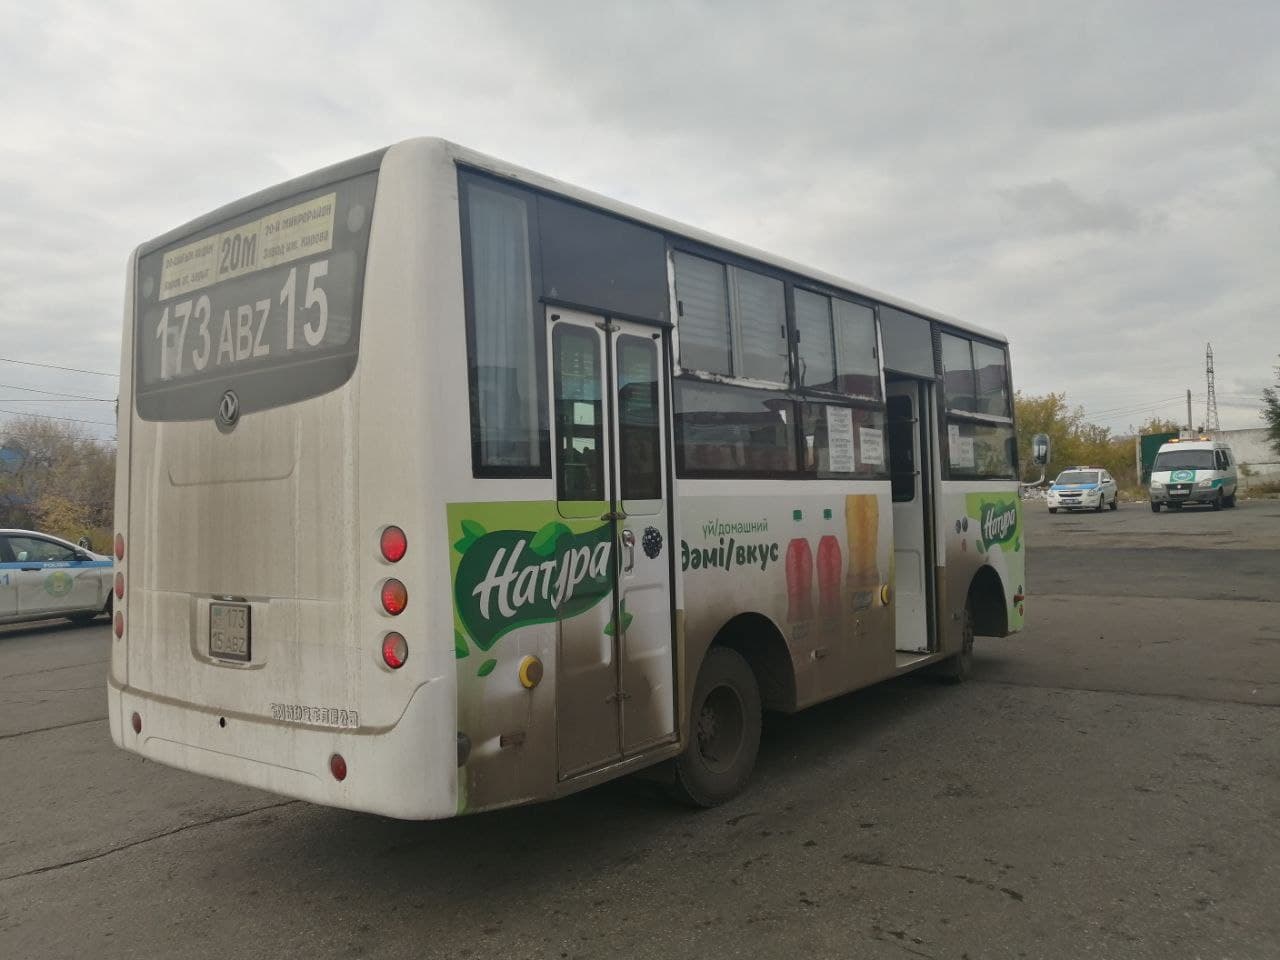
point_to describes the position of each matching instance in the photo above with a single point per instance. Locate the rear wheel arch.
(988, 603)
(758, 640)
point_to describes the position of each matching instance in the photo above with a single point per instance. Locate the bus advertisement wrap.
(994, 523)
(518, 564)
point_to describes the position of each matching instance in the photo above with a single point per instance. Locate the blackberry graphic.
(651, 542)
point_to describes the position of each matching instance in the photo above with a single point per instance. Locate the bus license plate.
(229, 633)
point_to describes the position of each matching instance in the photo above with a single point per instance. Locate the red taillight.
(137, 723)
(119, 586)
(119, 546)
(394, 544)
(395, 650)
(394, 597)
(337, 766)
(119, 624)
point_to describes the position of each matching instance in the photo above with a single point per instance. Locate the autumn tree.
(1047, 414)
(1271, 412)
(1075, 441)
(62, 481)
(1159, 425)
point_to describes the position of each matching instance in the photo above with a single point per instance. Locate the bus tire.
(1053, 509)
(958, 667)
(724, 733)
(1155, 507)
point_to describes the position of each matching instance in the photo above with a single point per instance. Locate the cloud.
(1098, 181)
(1052, 206)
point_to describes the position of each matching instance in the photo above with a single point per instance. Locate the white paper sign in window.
(872, 445)
(840, 440)
(964, 454)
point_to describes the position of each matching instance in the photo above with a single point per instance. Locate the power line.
(54, 366)
(54, 393)
(1145, 403)
(46, 416)
(1114, 412)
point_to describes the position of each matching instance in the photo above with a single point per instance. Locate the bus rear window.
(266, 302)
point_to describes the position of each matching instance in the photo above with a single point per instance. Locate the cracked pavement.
(1108, 786)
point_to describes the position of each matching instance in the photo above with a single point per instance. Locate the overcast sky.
(1099, 181)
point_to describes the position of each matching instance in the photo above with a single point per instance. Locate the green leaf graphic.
(611, 627)
(460, 648)
(486, 668)
(471, 532)
(544, 541)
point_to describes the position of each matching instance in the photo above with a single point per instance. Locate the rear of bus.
(272, 601)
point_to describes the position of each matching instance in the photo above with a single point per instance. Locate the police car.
(1083, 488)
(43, 577)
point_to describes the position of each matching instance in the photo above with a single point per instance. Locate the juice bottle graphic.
(799, 579)
(830, 564)
(862, 525)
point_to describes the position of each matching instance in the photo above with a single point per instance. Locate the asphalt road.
(1109, 786)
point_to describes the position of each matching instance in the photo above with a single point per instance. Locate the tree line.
(1076, 441)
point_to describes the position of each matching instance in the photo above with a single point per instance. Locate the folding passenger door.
(615, 674)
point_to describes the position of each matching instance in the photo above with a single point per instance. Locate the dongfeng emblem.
(228, 409)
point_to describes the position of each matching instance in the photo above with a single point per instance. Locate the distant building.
(1253, 452)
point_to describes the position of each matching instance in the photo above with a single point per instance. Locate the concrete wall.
(1251, 447)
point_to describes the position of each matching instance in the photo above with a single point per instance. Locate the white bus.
(445, 486)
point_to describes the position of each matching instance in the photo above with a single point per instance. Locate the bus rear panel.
(252, 495)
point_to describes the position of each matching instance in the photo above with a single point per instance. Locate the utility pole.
(1190, 428)
(1137, 458)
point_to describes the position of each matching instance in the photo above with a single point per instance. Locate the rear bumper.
(407, 770)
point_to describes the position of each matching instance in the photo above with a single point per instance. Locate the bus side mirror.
(1040, 449)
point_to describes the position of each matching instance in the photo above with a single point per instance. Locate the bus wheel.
(1053, 509)
(725, 732)
(958, 667)
(1155, 507)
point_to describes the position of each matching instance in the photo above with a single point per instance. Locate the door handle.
(629, 545)
(31, 569)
